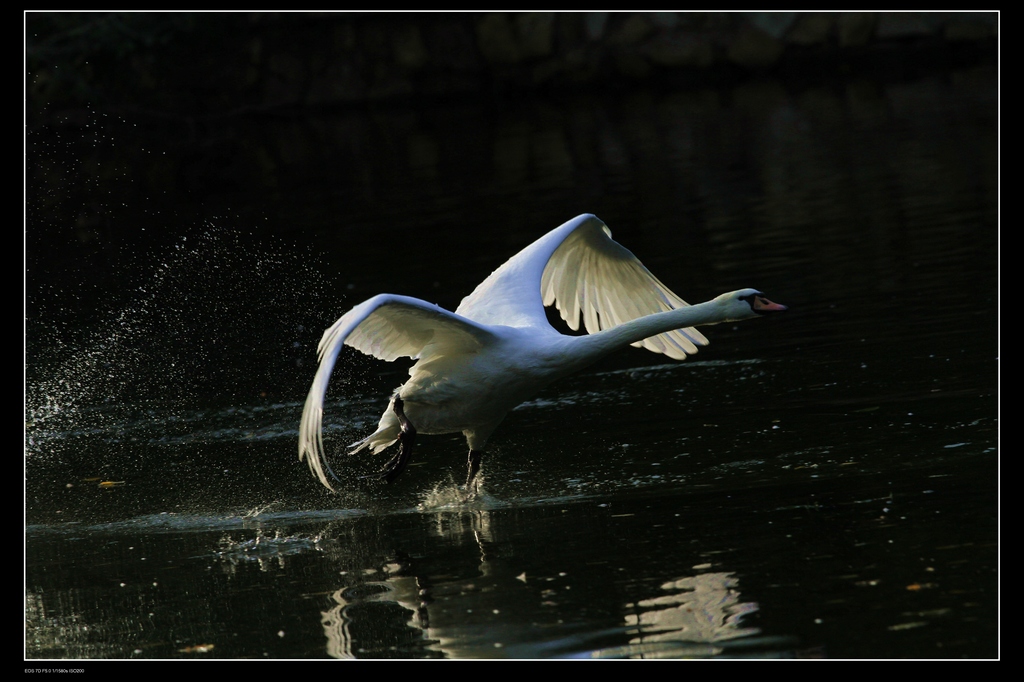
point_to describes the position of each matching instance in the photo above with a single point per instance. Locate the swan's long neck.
(599, 344)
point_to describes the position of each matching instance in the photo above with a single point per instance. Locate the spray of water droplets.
(208, 324)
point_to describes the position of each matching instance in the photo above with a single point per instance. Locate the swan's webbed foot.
(474, 466)
(406, 439)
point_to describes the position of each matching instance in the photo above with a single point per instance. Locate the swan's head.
(745, 304)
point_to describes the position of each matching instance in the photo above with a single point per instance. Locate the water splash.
(452, 496)
(205, 323)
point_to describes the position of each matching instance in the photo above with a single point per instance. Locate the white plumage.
(497, 349)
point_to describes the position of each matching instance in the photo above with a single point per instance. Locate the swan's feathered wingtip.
(311, 447)
(592, 279)
(311, 440)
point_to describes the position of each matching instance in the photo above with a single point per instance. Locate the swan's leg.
(405, 442)
(474, 465)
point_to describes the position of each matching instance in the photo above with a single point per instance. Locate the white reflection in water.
(696, 617)
(450, 617)
(701, 608)
(338, 621)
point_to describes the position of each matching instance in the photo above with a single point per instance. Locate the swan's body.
(498, 349)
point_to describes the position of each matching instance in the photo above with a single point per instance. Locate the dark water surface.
(820, 484)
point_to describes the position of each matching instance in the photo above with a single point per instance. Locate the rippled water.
(819, 484)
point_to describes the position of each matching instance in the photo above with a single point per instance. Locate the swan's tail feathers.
(358, 445)
(369, 442)
(385, 436)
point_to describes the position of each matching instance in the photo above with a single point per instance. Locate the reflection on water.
(695, 619)
(701, 608)
(341, 623)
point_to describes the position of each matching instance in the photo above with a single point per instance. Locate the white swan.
(497, 349)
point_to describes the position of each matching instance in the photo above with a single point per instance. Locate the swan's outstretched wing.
(592, 274)
(579, 268)
(387, 327)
